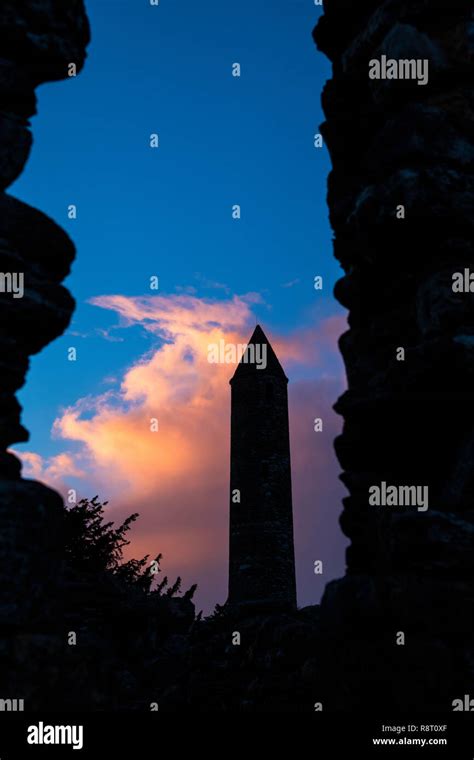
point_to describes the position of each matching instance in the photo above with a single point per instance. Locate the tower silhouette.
(261, 557)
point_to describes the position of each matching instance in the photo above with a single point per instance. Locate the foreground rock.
(401, 198)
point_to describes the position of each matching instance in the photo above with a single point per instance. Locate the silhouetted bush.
(94, 547)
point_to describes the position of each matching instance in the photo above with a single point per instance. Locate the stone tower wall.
(261, 526)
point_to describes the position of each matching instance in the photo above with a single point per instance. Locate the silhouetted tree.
(94, 546)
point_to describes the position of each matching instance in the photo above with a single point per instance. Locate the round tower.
(261, 562)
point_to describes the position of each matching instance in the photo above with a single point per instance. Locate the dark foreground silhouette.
(396, 632)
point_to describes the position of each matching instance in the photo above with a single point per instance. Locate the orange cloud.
(52, 471)
(176, 476)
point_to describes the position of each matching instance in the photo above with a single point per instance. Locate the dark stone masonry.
(38, 40)
(392, 144)
(400, 198)
(261, 558)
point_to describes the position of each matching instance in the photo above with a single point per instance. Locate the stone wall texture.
(410, 422)
(38, 39)
(261, 552)
(392, 143)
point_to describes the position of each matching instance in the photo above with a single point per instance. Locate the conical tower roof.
(273, 367)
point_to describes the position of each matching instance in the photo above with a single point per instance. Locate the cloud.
(186, 289)
(107, 335)
(52, 471)
(205, 282)
(177, 477)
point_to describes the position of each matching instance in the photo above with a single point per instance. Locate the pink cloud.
(177, 477)
(53, 471)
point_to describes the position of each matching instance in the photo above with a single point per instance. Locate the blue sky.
(168, 212)
(223, 140)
